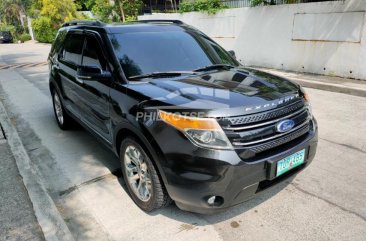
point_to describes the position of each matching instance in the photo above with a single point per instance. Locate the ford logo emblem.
(285, 125)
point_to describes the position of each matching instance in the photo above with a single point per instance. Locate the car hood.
(231, 92)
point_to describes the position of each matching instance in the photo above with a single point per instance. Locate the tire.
(63, 119)
(152, 193)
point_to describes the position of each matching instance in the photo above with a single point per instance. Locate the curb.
(329, 87)
(314, 84)
(52, 224)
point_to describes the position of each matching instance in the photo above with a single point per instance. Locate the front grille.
(241, 120)
(257, 133)
(277, 142)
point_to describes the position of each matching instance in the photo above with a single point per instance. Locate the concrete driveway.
(326, 201)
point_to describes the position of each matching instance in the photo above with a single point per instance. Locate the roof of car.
(135, 26)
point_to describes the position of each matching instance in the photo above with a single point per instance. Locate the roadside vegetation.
(48, 15)
(11, 19)
(206, 6)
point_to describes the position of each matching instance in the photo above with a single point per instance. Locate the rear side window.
(93, 55)
(73, 48)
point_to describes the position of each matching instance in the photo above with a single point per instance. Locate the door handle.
(79, 80)
(84, 77)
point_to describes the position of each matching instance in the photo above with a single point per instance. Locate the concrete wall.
(325, 38)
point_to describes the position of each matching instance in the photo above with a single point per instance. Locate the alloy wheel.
(58, 108)
(137, 172)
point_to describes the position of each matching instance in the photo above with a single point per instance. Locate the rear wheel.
(63, 119)
(141, 177)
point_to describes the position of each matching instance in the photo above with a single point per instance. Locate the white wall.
(325, 38)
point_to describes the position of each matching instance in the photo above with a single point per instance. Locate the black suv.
(6, 37)
(186, 120)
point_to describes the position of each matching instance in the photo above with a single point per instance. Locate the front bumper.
(192, 174)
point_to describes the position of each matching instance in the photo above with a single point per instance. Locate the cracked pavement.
(326, 201)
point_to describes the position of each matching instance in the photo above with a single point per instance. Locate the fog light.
(211, 200)
(215, 201)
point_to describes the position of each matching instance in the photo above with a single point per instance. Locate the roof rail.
(160, 21)
(83, 22)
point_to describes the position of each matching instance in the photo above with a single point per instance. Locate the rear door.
(94, 96)
(69, 60)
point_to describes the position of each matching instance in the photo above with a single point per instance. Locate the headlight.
(204, 132)
(304, 95)
(307, 100)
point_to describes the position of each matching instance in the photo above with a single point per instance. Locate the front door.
(94, 96)
(69, 59)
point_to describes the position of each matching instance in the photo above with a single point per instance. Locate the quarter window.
(73, 48)
(93, 54)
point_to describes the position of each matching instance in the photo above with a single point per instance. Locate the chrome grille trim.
(264, 123)
(274, 143)
(272, 137)
(256, 118)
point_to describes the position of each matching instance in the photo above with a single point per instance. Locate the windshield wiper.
(214, 67)
(160, 74)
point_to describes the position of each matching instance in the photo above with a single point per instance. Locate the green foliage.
(12, 29)
(59, 11)
(102, 9)
(207, 6)
(50, 16)
(131, 8)
(187, 6)
(15, 30)
(122, 10)
(44, 30)
(10, 11)
(255, 3)
(130, 18)
(24, 37)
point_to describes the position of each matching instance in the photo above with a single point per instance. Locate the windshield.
(163, 51)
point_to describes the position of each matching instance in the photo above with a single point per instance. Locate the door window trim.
(60, 54)
(97, 37)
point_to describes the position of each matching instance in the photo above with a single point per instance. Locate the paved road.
(326, 201)
(17, 220)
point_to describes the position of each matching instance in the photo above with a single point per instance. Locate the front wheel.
(141, 177)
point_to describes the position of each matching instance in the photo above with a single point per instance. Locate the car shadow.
(173, 212)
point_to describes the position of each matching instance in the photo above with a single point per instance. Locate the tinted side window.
(60, 37)
(93, 55)
(73, 48)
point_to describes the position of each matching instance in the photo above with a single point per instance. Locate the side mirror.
(92, 73)
(232, 53)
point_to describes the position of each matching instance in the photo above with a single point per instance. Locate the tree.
(101, 8)
(50, 15)
(59, 11)
(120, 10)
(124, 10)
(11, 12)
(130, 8)
(43, 29)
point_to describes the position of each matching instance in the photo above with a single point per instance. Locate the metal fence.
(167, 6)
(251, 3)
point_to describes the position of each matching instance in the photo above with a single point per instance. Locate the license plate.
(290, 162)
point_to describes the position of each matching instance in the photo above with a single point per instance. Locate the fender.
(149, 143)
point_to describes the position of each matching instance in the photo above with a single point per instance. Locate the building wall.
(324, 38)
